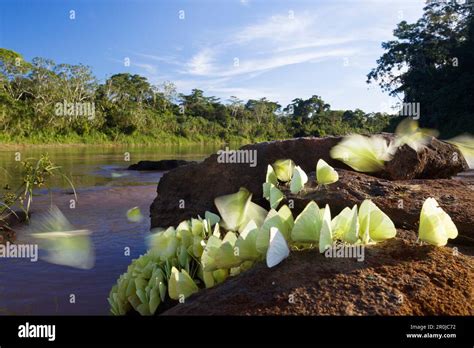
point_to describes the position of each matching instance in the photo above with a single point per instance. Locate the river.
(105, 192)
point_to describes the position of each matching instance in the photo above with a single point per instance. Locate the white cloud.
(282, 39)
(201, 63)
(279, 61)
(316, 42)
(205, 84)
(149, 68)
(275, 28)
(329, 32)
(162, 59)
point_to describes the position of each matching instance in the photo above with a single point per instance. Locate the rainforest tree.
(44, 98)
(431, 62)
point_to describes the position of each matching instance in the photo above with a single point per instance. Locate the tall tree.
(262, 109)
(432, 63)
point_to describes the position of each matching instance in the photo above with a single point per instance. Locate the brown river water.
(41, 288)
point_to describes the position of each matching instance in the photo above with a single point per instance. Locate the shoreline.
(13, 146)
(137, 141)
(114, 144)
(103, 211)
(48, 145)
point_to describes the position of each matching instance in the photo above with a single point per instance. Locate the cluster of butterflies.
(284, 171)
(206, 251)
(147, 283)
(369, 154)
(178, 261)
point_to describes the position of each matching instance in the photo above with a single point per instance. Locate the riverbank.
(387, 278)
(101, 210)
(112, 140)
(105, 192)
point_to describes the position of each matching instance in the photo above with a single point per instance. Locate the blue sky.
(245, 48)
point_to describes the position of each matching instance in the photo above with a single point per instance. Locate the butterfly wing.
(307, 225)
(298, 180)
(352, 234)
(278, 248)
(325, 174)
(284, 169)
(276, 196)
(325, 238)
(232, 208)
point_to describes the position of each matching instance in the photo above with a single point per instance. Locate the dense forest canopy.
(431, 62)
(37, 95)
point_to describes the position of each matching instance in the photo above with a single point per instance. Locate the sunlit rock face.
(190, 190)
(401, 200)
(396, 277)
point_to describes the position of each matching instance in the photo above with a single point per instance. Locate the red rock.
(397, 277)
(196, 185)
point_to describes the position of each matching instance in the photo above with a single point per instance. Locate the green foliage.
(36, 174)
(39, 103)
(431, 63)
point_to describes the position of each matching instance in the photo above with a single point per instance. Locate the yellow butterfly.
(325, 174)
(436, 225)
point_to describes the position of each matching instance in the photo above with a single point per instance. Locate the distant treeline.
(431, 64)
(44, 100)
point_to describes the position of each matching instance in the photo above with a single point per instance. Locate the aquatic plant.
(35, 174)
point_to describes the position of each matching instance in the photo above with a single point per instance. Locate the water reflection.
(95, 165)
(105, 193)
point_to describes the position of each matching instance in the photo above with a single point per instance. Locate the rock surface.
(159, 165)
(436, 160)
(7, 234)
(400, 200)
(397, 277)
(198, 184)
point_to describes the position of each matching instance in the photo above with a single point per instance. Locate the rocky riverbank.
(397, 277)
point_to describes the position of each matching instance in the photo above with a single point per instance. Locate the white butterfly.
(277, 249)
(63, 244)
